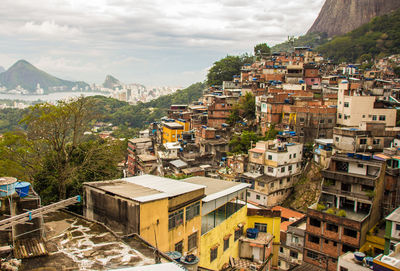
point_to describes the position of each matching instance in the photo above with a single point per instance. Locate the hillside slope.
(338, 17)
(24, 74)
(379, 37)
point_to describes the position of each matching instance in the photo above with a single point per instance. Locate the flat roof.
(216, 188)
(154, 267)
(324, 141)
(147, 157)
(139, 140)
(173, 125)
(146, 188)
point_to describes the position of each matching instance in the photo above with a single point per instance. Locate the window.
(283, 169)
(363, 116)
(346, 248)
(281, 249)
(258, 197)
(290, 156)
(363, 141)
(326, 241)
(295, 239)
(312, 255)
(192, 211)
(313, 239)
(248, 194)
(294, 254)
(238, 233)
(382, 117)
(360, 165)
(334, 244)
(175, 219)
(376, 141)
(294, 155)
(343, 269)
(346, 104)
(272, 185)
(290, 167)
(280, 182)
(337, 139)
(270, 170)
(213, 253)
(340, 116)
(261, 227)
(397, 227)
(350, 233)
(301, 119)
(332, 227)
(315, 222)
(192, 241)
(226, 243)
(179, 246)
(330, 120)
(269, 157)
(321, 121)
(374, 117)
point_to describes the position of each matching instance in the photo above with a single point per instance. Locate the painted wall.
(215, 237)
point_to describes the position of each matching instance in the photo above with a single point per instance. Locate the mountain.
(2, 69)
(338, 17)
(111, 82)
(379, 37)
(24, 74)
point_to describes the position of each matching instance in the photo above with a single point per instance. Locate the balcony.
(333, 190)
(348, 177)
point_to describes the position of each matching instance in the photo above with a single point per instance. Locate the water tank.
(359, 256)
(175, 255)
(22, 189)
(252, 233)
(190, 262)
(7, 186)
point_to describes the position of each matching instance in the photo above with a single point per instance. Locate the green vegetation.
(379, 37)
(226, 68)
(10, 118)
(341, 213)
(55, 154)
(330, 211)
(244, 109)
(312, 40)
(262, 50)
(321, 207)
(24, 74)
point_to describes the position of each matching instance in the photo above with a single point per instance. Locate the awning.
(381, 157)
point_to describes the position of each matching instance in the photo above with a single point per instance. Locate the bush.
(341, 213)
(330, 211)
(321, 207)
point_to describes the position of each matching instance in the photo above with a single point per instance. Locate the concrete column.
(355, 206)
(337, 202)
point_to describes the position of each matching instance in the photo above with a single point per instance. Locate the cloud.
(161, 36)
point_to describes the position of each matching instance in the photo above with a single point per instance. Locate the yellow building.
(165, 212)
(185, 124)
(224, 220)
(172, 131)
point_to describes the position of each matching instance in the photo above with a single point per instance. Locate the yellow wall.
(372, 242)
(274, 227)
(186, 125)
(183, 231)
(166, 239)
(171, 135)
(216, 236)
(149, 213)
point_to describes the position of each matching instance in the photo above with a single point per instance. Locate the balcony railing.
(333, 190)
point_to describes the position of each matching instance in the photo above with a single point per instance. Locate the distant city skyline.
(163, 43)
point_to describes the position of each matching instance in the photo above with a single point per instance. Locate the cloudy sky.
(154, 42)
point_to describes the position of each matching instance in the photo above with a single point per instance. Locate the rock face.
(111, 82)
(341, 16)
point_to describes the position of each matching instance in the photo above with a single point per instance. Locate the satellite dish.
(369, 147)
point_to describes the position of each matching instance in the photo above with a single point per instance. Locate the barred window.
(192, 241)
(238, 233)
(175, 219)
(213, 254)
(192, 211)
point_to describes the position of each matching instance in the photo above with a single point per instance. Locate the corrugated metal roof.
(178, 163)
(170, 187)
(394, 216)
(217, 188)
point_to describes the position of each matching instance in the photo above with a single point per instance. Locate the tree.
(56, 133)
(241, 143)
(262, 50)
(226, 68)
(245, 109)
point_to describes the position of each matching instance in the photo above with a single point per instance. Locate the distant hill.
(111, 82)
(379, 37)
(2, 69)
(24, 74)
(338, 17)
